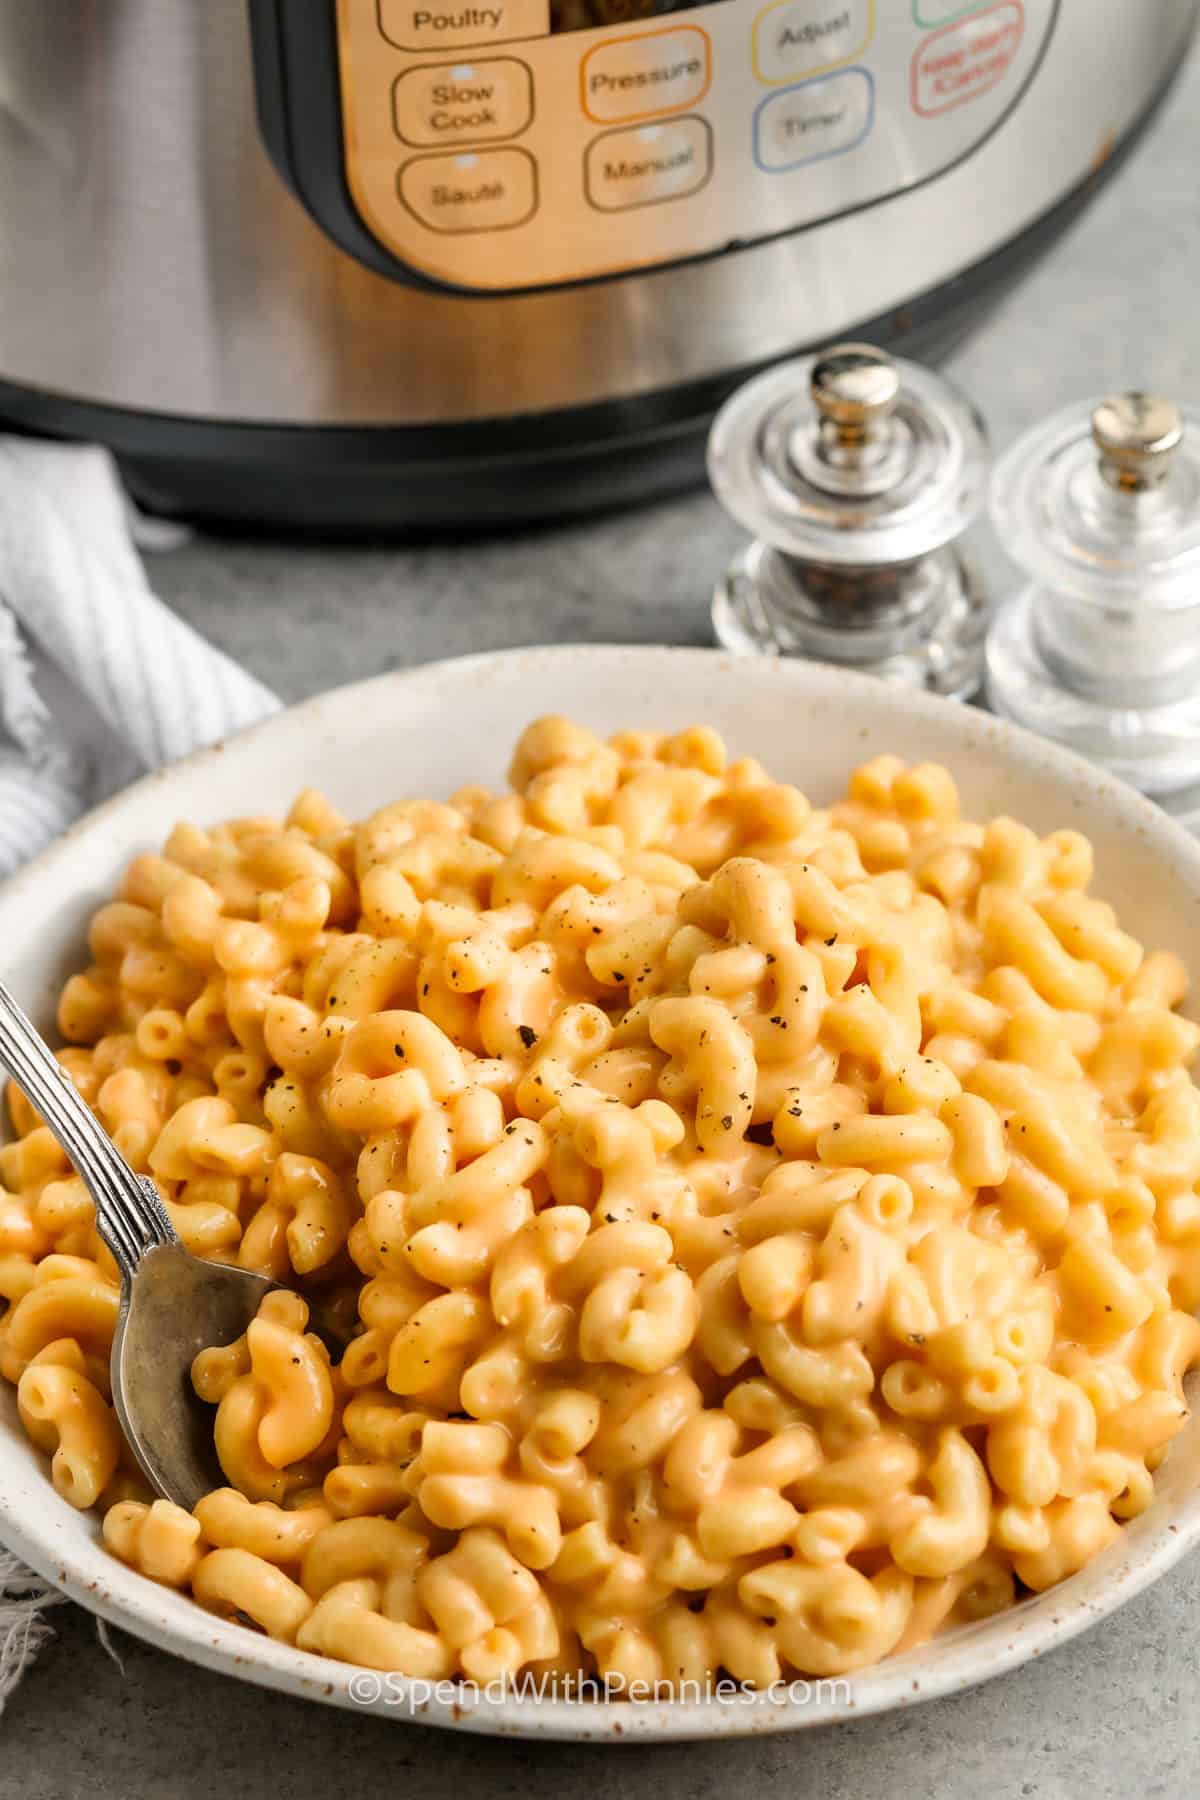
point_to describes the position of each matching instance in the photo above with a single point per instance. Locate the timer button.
(462, 103)
(484, 190)
(647, 164)
(819, 118)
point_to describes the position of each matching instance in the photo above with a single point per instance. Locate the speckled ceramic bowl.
(429, 731)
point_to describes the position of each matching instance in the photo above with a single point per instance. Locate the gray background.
(1115, 1714)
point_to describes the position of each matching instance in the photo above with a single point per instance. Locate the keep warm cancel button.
(477, 190)
(647, 164)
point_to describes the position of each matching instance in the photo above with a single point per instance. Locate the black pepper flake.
(617, 975)
(916, 1337)
(727, 1121)
(770, 956)
(611, 1218)
(763, 1134)
(398, 1050)
(595, 931)
(837, 1126)
(831, 941)
(795, 1112)
(527, 1035)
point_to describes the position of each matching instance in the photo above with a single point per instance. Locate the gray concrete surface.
(1115, 1715)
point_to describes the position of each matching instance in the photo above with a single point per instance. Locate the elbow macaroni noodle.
(766, 1235)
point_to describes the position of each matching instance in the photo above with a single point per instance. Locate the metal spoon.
(172, 1304)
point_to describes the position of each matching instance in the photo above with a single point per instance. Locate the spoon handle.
(130, 1217)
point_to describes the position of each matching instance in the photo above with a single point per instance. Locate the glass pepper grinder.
(857, 473)
(1101, 650)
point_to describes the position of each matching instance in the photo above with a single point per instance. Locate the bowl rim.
(173, 1622)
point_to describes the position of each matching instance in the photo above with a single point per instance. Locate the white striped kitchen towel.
(99, 683)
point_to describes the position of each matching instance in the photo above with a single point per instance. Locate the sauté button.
(648, 164)
(463, 103)
(795, 38)
(485, 190)
(640, 77)
(967, 59)
(457, 24)
(817, 119)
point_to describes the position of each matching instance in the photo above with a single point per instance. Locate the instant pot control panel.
(502, 145)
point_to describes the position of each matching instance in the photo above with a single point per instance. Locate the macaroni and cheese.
(765, 1235)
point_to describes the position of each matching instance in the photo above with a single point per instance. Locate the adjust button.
(455, 24)
(463, 103)
(485, 190)
(648, 164)
(794, 38)
(640, 77)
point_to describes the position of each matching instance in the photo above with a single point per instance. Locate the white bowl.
(428, 731)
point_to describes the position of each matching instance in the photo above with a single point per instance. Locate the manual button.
(462, 103)
(485, 190)
(455, 24)
(648, 164)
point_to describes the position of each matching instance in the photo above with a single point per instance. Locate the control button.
(963, 61)
(648, 164)
(942, 12)
(794, 38)
(640, 77)
(817, 119)
(462, 103)
(486, 190)
(455, 25)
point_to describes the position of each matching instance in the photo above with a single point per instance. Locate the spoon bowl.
(173, 1304)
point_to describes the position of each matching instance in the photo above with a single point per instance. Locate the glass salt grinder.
(1101, 650)
(857, 473)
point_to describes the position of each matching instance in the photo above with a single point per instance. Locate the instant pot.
(407, 263)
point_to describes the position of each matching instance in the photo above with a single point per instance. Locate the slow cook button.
(793, 38)
(487, 190)
(453, 24)
(817, 119)
(639, 77)
(648, 164)
(462, 103)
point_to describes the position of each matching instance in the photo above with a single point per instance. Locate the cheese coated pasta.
(764, 1236)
